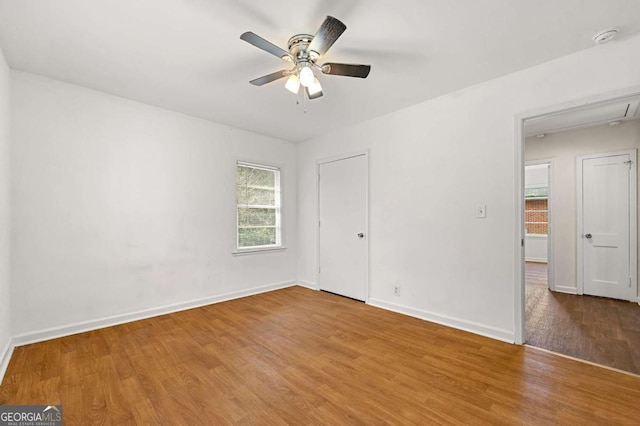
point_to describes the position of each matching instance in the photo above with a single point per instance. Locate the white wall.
(5, 278)
(535, 248)
(564, 147)
(121, 207)
(431, 165)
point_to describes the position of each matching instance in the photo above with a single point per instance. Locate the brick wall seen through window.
(536, 216)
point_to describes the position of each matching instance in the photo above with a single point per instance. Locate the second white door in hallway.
(606, 225)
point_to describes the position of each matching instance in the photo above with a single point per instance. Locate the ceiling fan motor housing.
(298, 48)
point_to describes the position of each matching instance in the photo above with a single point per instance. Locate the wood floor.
(596, 329)
(297, 356)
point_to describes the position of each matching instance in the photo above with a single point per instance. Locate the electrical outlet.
(396, 290)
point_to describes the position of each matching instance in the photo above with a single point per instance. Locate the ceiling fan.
(304, 52)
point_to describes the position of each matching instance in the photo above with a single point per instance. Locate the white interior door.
(342, 226)
(606, 225)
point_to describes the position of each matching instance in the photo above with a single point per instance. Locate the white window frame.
(278, 207)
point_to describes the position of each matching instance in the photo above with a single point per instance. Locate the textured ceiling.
(186, 55)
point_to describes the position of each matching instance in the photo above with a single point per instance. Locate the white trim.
(519, 293)
(256, 250)
(5, 357)
(633, 227)
(566, 289)
(472, 327)
(633, 219)
(537, 236)
(519, 138)
(579, 226)
(536, 259)
(257, 165)
(84, 326)
(308, 284)
(551, 193)
(332, 159)
(346, 156)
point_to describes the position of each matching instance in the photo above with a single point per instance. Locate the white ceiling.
(186, 55)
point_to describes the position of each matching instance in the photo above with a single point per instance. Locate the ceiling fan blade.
(314, 96)
(348, 70)
(327, 34)
(265, 45)
(269, 78)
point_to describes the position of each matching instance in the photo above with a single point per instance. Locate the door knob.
(361, 235)
(587, 235)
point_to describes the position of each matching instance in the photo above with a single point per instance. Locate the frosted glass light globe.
(306, 76)
(293, 84)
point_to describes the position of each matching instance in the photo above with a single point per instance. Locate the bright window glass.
(258, 206)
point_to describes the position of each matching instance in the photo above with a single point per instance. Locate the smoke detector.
(604, 36)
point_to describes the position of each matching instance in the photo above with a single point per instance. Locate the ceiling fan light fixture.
(293, 84)
(306, 76)
(315, 87)
(305, 50)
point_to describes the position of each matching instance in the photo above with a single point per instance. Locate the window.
(258, 206)
(536, 213)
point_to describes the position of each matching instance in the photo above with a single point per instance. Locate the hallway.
(604, 331)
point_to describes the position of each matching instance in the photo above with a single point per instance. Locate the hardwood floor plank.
(297, 356)
(596, 329)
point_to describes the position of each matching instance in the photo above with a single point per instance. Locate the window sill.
(536, 236)
(245, 252)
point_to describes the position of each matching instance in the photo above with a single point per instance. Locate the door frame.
(633, 220)
(551, 282)
(332, 159)
(519, 141)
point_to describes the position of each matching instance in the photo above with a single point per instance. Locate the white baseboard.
(5, 357)
(81, 327)
(472, 327)
(565, 289)
(308, 284)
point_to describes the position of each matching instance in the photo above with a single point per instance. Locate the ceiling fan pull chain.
(304, 102)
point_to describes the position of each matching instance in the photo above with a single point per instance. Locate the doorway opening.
(538, 224)
(553, 310)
